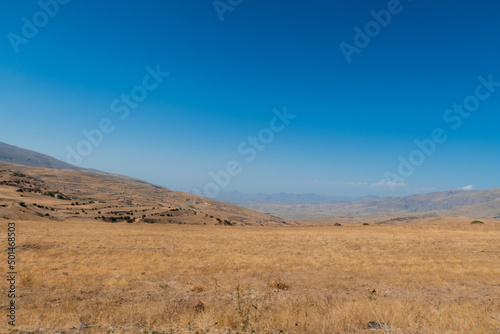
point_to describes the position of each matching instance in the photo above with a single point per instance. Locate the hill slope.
(21, 156)
(62, 194)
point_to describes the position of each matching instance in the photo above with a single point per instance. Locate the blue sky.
(225, 77)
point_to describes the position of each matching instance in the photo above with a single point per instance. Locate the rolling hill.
(37, 186)
(50, 194)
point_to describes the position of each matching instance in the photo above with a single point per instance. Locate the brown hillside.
(50, 194)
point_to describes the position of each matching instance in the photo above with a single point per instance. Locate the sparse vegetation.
(64, 197)
(477, 222)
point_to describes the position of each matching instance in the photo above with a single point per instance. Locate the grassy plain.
(96, 277)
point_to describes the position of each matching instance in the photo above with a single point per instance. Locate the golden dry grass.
(124, 278)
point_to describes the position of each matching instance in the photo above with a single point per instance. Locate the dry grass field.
(97, 277)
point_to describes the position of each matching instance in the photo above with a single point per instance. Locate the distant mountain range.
(477, 203)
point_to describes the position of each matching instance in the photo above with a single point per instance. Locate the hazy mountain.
(21, 156)
(478, 203)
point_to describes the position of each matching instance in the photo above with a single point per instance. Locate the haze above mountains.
(241, 198)
(479, 203)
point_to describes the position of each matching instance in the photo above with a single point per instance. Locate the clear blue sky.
(353, 120)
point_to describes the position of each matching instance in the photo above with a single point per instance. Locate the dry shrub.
(197, 288)
(279, 284)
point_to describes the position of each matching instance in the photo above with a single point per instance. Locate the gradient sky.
(353, 120)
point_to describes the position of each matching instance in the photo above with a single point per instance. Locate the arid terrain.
(103, 253)
(61, 195)
(87, 276)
